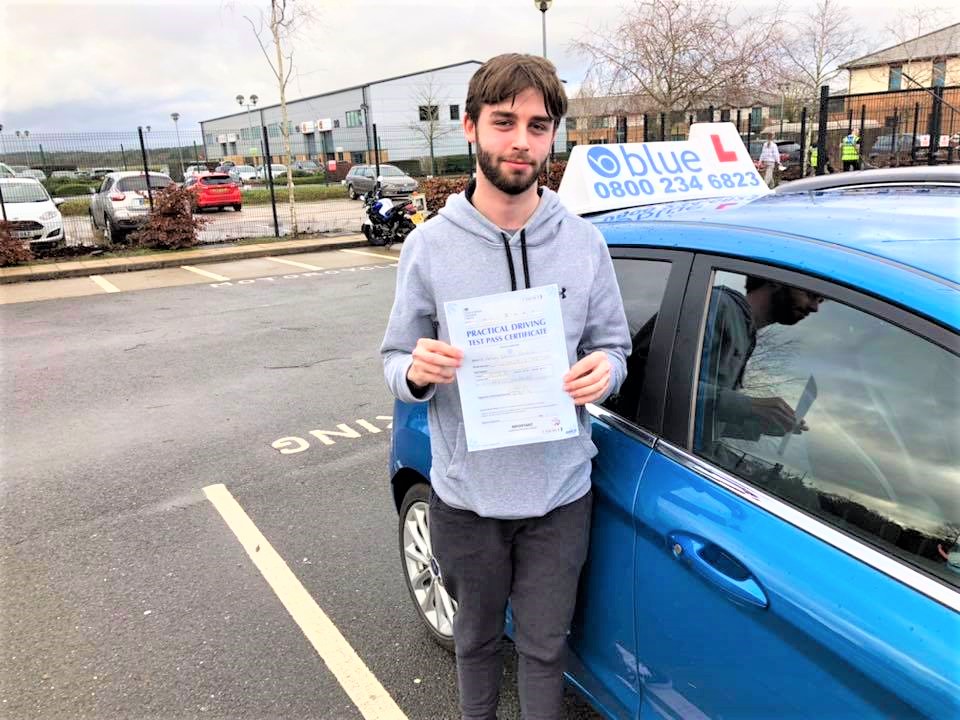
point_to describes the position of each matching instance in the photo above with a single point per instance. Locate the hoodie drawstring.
(523, 255)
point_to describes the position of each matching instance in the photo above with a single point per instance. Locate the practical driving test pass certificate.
(514, 360)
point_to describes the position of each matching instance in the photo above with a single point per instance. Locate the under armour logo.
(563, 293)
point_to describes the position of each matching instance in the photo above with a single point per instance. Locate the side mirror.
(59, 201)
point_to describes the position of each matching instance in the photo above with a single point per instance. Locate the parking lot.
(143, 425)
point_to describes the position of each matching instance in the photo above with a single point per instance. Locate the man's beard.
(785, 310)
(506, 182)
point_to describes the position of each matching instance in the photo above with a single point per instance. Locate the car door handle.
(719, 567)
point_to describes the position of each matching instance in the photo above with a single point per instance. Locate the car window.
(391, 171)
(139, 182)
(845, 415)
(26, 192)
(107, 184)
(642, 286)
(226, 180)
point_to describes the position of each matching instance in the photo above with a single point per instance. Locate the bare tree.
(818, 41)
(428, 96)
(286, 18)
(680, 55)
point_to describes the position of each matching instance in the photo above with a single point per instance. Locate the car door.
(100, 199)
(801, 567)
(624, 428)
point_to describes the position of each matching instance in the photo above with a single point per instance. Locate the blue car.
(776, 529)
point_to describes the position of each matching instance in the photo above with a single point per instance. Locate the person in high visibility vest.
(814, 154)
(850, 152)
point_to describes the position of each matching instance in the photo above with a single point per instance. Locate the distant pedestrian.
(770, 160)
(850, 152)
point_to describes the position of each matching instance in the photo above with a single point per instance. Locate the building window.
(939, 72)
(356, 157)
(354, 119)
(599, 123)
(756, 118)
(454, 112)
(896, 75)
(599, 141)
(336, 123)
(725, 115)
(429, 112)
(340, 156)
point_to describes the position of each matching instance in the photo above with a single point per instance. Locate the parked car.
(32, 213)
(307, 166)
(243, 173)
(122, 202)
(741, 568)
(101, 172)
(64, 175)
(394, 182)
(33, 173)
(276, 170)
(225, 166)
(215, 190)
(193, 171)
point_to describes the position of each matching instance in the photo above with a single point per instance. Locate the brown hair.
(505, 76)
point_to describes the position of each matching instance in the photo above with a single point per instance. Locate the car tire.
(351, 193)
(109, 234)
(237, 208)
(433, 604)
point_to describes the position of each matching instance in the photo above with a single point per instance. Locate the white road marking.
(305, 266)
(198, 271)
(366, 692)
(106, 285)
(376, 255)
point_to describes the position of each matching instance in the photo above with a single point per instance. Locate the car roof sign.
(713, 162)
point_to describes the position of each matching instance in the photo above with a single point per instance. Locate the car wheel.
(236, 208)
(108, 232)
(420, 571)
(351, 192)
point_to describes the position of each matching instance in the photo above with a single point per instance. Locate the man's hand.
(588, 379)
(776, 417)
(434, 361)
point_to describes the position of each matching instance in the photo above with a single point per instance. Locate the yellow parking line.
(198, 271)
(370, 697)
(106, 285)
(363, 252)
(305, 266)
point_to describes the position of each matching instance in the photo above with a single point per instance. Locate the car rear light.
(118, 197)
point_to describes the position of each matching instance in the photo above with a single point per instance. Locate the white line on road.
(362, 252)
(106, 285)
(370, 697)
(198, 271)
(305, 266)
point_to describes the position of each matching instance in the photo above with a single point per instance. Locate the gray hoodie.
(461, 255)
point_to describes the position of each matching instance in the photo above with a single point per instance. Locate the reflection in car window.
(139, 182)
(642, 286)
(15, 192)
(843, 414)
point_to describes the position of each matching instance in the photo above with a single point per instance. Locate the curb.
(30, 273)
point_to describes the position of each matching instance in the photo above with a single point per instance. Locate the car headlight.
(50, 215)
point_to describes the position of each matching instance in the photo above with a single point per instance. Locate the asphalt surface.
(124, 592)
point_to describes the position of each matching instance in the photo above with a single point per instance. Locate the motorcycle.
(386, 221)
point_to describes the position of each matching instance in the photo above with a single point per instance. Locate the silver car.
(122, 203)
(394, 182)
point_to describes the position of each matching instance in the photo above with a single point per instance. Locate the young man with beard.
(510, 523)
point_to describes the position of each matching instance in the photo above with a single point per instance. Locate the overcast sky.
(70, 65)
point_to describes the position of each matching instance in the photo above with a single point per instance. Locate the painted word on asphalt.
(291, 445)
(322, 273)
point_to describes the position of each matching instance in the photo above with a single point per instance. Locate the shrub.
(70, 189)
(171, 224)
(12, 250)
(437, 190)
(72, 208)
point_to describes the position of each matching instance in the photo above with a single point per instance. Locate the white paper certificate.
(514, 360)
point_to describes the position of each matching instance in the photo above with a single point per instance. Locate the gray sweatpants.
(535, 563)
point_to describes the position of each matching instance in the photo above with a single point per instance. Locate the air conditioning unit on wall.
(324, 124)
(222, 139)
(306, 127)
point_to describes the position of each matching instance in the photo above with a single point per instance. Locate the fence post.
(822, 129)
(146, 168)
(710, 110)
(267, 162)
(935, 122)
(43, 158)
(470, 163)
(376, 150)
(895, 144)
(863, 122)
(849, 121)
(3, 205)
(738, 124)
(663, 127)
(646, 124)
(123, 156)
(803, 141)
(913, 138)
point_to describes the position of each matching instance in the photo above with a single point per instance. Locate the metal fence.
(908, 127)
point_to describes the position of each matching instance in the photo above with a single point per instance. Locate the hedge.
(437, 190)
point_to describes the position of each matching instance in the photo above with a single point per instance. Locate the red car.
(215, 190)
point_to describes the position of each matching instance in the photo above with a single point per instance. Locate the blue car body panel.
(808, 630)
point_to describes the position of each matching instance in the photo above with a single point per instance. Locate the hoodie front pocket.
(459, 456)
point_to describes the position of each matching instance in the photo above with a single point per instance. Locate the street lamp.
(253, 102)
(543, 6)
(176, 116)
